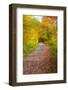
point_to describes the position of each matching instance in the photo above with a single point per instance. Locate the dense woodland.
(36, 31)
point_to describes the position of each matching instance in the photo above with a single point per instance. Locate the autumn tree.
(49, 32)
(31, 26)
(49, 23)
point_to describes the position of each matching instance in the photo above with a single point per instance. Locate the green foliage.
(28, 48)
(36, 31)
(48, 33)
(30, 34)
(53, 45)
(35, 23)
(45, 36)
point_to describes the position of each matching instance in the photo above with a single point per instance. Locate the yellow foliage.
(30, 35)
(27, 19)
(48, 23)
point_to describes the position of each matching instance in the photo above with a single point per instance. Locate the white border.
(37, 77)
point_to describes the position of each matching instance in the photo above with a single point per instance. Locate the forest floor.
(40, 61)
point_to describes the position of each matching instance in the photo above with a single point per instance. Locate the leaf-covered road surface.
(40, 61)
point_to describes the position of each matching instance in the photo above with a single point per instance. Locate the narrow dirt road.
(39, 61)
